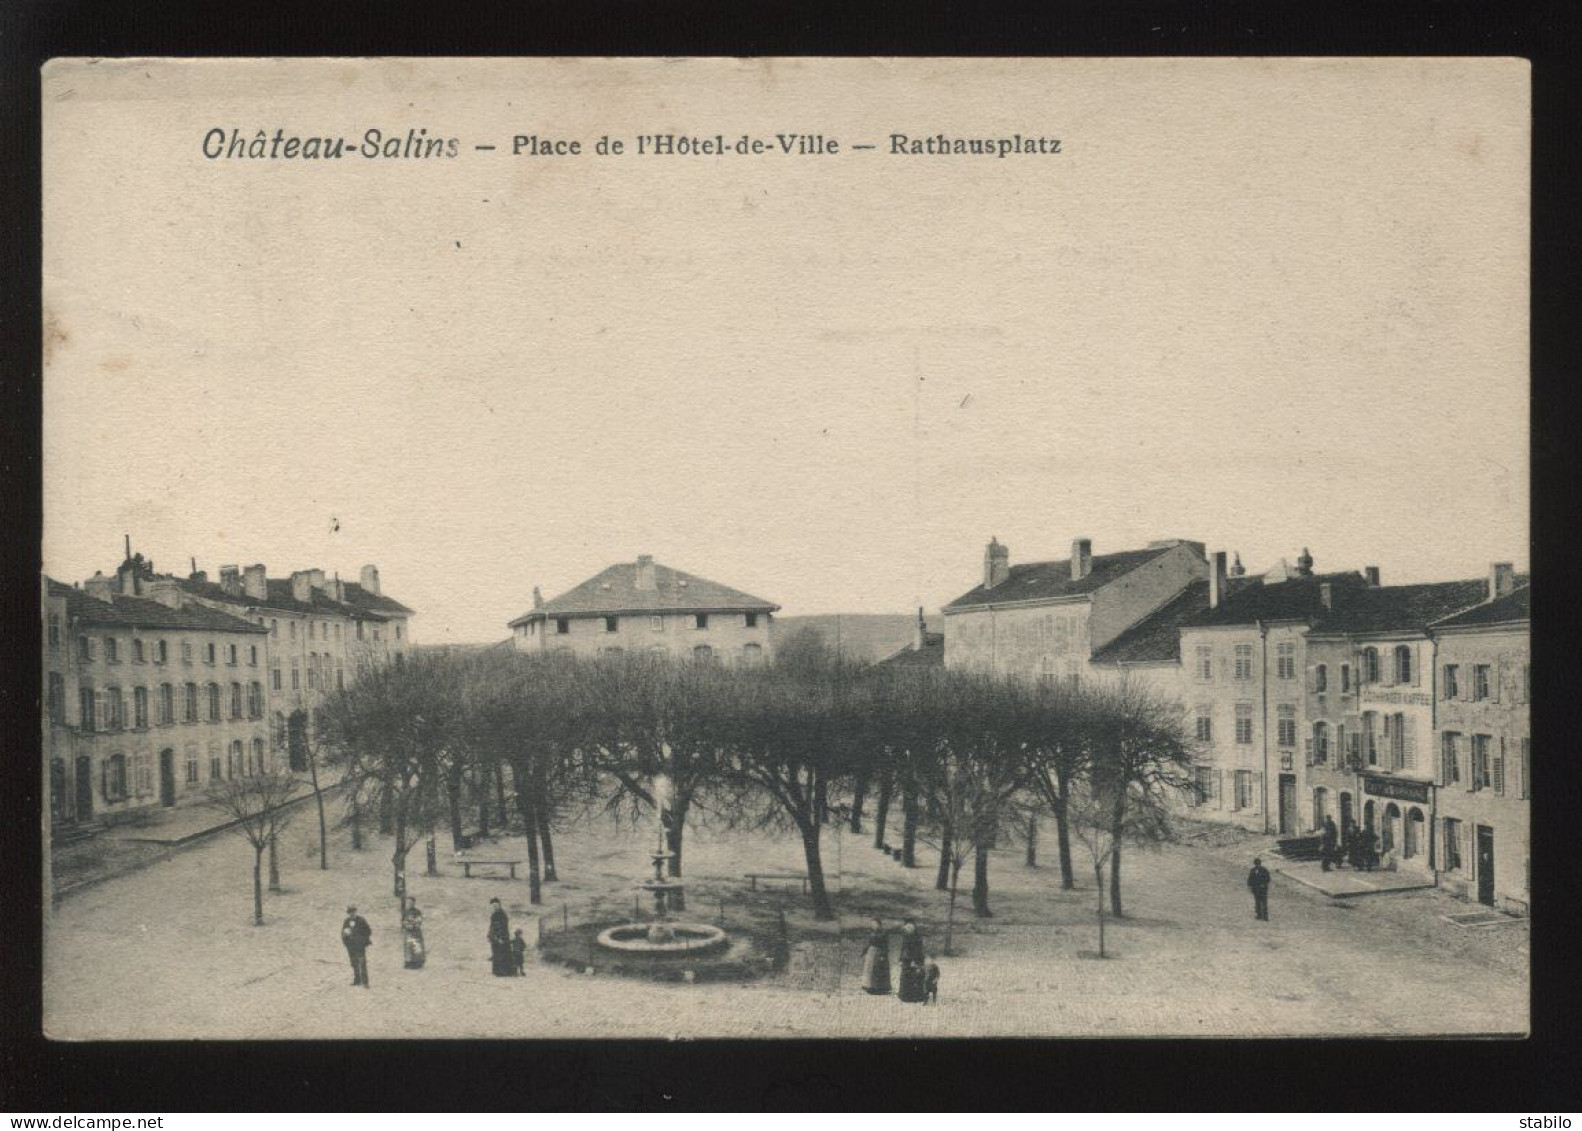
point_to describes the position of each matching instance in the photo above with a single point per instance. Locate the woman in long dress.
(913, 960)
(412, 949)
(500, 942)
(876, 961)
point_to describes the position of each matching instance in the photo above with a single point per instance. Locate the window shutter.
(1257, 793)
(1218, 782)
(1309, 747)
(1496, 678)
(1409, 747)
(1416, 669)
(104, 778)
(1499, 769)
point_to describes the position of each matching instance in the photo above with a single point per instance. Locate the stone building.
(1045, 620)
(1482, 757)
(646, 607)
(148, 699)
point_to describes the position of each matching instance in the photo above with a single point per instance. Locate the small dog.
(931, 984)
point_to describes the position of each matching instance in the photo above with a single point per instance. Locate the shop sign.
(1396, 788)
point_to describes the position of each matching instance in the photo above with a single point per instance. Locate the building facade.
(1045, 620)
(645, 607)
(1482, 756)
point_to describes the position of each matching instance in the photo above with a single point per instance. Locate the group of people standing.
(919, 978)
(1359, 847)
(508, 954)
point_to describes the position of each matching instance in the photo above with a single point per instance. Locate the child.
(931, 984)
(519, 953)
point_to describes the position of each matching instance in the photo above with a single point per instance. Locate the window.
(252, 655)
(752, 654)
(191, 707)
(57, 698)
(233, 760)
(1396, 726)
(192, 763)
(140, 707)
(167, 704)
(1320, 744)
(701, 620)
(376, 632)
(1369, 667)
(162, 652)
(1285, 723)
(84, 648)
(1481, 681)
(85, 709)
(114, 718)
(1497, 770)
(656, 624)
(236, 700)
(274, 627)
(359, 630)
(296, 676)
(703, 652)
(214, 702)
(1452, 682)
(186, 651)
(1244, 661)
(1403, 664)
(1321, 678)
(291, 629)
(752, 620)
(1370, 739)
(1244, 724)
(115, 778)
(313, 671)
(54, 630)
(1205, 725)
(398, 631)
(1285, 661)
(139, 653)
(340, 679)
(258, 755)
(1345, 678)
(1205, 663)
(208, 653)
(562, 626)
(144, 770)
(274, 676)
(255, 700)
(216, 771)
(612, 624)
(1202, 784)
(1449, 758)
(1482, 771)
(112, 650)
(1244, 789)
(1452, 853)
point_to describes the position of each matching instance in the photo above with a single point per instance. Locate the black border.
(1336, 1076)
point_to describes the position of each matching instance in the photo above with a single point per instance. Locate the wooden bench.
(467, 866)
(754, 877)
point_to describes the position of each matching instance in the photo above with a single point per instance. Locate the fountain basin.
(684, 938)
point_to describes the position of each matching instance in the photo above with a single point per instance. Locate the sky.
(1264, 305)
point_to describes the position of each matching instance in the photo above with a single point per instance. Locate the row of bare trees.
(972, 759)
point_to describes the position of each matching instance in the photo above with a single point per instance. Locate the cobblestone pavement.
(169, 951)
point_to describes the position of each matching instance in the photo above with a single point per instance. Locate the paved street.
(169, 951)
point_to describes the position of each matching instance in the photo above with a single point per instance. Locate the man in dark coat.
(1328, 852)
(500, 941)
(913, 960)
(356, 934)
(1258, 881)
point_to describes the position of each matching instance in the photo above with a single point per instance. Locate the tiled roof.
(1249, 600)
(374, 602)
(1039, 581)
(1157, 637)
(1400, 608)
(1515, 606)
(138, 612)
(614, 591)
(930, 655)
(281, 597)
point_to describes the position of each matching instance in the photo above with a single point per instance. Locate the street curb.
(1351, 894)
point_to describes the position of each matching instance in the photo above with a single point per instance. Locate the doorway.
(1287, 804)
(167, 777)
(1486, 865)
(84, 789)
(1347, 818)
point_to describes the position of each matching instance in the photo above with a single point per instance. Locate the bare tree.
(1089, 813)
(258, 806)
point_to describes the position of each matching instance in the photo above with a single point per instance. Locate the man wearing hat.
(1258, 882)
(356, 935)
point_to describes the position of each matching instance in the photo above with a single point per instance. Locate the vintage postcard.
(786, 548)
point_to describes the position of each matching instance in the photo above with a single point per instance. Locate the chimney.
(370, 579)
(255, 582)
(1326, 595)
(302, 586)
(1502, 580)
(1081, 558)
(1216, 579)
(167, 591)
(231, 580)
(1372, 574)
(99, 587)
(336, 589)
(919, 632)
(538, 597)
(647, 579)
(1237, 569)
(1304, 564)
(316, 579)
(996, 564)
